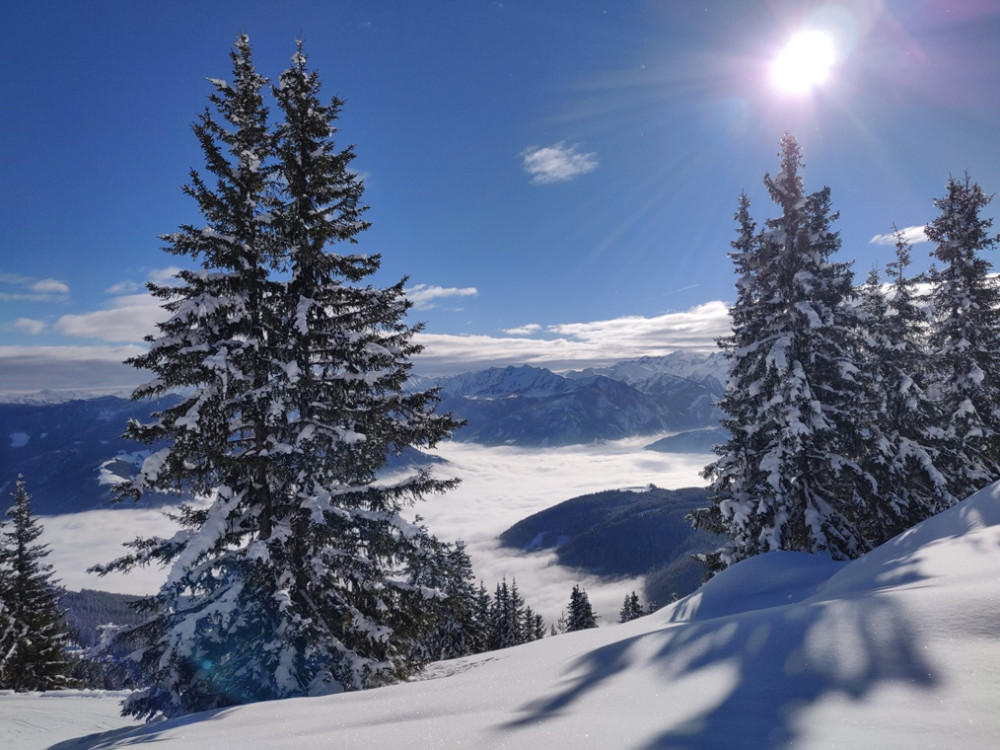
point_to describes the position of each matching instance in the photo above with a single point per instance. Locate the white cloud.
(29, 289)
(123, 287)
(912, 235)
(29, 325)
(50, 286)
(557, 163)
(129, 318)
(423, 295)
(578, 345)
(165, 276)
(525, 330)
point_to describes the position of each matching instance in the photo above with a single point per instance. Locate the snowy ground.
(900, 649)
(31, 721)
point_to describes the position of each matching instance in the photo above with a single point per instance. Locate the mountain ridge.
(71, 452)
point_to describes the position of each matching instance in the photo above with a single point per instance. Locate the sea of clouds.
(499, 487)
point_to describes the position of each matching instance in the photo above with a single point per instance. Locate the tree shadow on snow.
(143, 734)
(771, 665)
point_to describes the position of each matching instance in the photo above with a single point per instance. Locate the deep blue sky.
(666, 109)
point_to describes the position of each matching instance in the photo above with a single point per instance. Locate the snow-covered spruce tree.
(581, 615)
(346, 357)
(506, 616)
(483, 619)
(904, 422)
(965, 336)
(455, 627)
(532, 625)
(33, 636)
(631, 609)
(788, 476)
(293, 579)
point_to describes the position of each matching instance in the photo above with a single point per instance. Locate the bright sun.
(804, 63)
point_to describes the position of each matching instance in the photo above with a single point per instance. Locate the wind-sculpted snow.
(898, 649)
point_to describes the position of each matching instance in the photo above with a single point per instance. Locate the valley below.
(500, 486)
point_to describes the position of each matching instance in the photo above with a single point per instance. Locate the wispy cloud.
(50, 286)
(558, 163)
(123, 287)
(165, 276)
(129, 318)
(28, 289)
(578, 345)
(423, 296)
(912, 235)
(29, 325)
(526, 330)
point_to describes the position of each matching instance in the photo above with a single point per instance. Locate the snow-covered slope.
(60, 449)
(900, 649)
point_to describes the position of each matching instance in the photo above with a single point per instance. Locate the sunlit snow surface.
(898, 649)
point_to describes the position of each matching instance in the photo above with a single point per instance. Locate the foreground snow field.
(37, 720)
(899, 649)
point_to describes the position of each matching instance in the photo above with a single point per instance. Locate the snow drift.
(900, 648)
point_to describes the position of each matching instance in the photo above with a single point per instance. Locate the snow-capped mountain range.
(534, 406)
(70, 452)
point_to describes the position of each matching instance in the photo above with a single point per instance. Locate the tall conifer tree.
(965, 336)
(904, 443)
(33, 637)
(293, 579)
(788, 478)
(581, 614)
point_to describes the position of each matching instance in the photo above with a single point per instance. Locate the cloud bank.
(577, 345)
(98, 368)
(118, 329)
(558, 163)
(87, 370)
(499, 487)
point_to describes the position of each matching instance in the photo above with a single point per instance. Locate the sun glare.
(804, 62)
